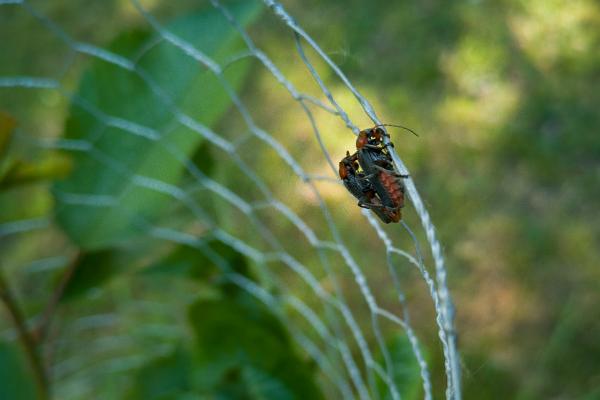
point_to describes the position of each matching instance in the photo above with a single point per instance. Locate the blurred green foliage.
(405, 367)
(504, 95)
(134, 103)
(258, 361)
(240, 351)
(16, 379)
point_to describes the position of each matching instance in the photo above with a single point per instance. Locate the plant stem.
(50, 310)
(26, 338)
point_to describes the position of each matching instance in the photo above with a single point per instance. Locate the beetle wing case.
(368, 160)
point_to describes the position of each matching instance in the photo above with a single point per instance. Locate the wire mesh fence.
(271, 202)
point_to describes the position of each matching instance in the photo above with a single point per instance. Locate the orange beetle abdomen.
(394, 187)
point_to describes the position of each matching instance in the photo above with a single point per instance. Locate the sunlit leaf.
(50, 167)
(138, 142)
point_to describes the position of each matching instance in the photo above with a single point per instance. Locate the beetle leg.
(379, 210)
(372, 206)
(366, 177)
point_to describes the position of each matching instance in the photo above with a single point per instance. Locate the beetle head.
(377, 134)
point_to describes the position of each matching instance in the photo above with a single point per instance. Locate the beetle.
(373, 137)
(386, 182)
(378, 187)
(361, 188)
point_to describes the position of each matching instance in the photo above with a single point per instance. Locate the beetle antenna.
(400, 126)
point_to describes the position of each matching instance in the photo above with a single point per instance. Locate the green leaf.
(16, 379)
(16, 171)
(163, 378)
(243, 348)
(104, 200)
(407, 374)
(212, 259)
(203, 159)
(92, 270)
(50, 167)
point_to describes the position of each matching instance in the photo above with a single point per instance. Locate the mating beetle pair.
(370, 176)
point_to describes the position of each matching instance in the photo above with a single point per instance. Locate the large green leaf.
(244, 351)
(163, 378)
(16, 379)
(407, 374)
(134, 130)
